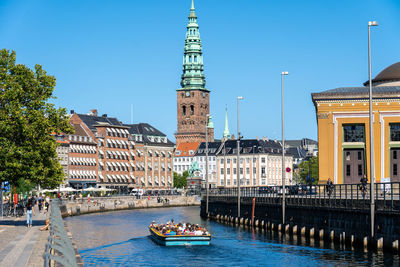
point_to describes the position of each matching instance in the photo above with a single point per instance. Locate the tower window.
(191, 110)
(195, 58)
(194, 31)
(190, 58)
(184, 111)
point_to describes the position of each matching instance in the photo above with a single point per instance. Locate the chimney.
(93, 112)
(104, 115)
(72, 111)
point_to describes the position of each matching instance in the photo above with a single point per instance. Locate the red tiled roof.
(184, 149)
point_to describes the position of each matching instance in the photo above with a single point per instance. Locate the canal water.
(122, 239)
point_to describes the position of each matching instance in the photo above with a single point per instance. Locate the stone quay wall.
(351, 227)
(105, 204)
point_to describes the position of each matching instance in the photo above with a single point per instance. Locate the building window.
(234, 170)
(263, 170)
(241, 170)
(353, 133)
(228, 171)
(394, 154)
(228, 161)
(348, 170)
(395, 132)
(254, 170)
(247, 170)
(184, 110)
(359, 157)
(234, 161)
(222, 171)
(195, 58)
(262, 160)
(191, 110)
(359, 170)
(394, 169)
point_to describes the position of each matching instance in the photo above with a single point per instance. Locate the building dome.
(388, 77)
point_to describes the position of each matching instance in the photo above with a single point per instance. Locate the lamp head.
(285, 73)
(240, 97)
(372, 23)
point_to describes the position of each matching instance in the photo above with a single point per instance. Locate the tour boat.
(179, 240)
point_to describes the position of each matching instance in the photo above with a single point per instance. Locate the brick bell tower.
(193, 99)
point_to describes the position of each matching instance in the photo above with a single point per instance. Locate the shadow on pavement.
(21, 222)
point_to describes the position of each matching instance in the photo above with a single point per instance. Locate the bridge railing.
(59, 249)
(348, 196)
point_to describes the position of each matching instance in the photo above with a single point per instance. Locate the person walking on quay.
(30, 211)
(329, 186)
(46, 204)
(40, 203)
(363, 185)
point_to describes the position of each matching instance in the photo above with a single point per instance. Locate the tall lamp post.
(238, 154)
(371, 133)
(283, 154)
(207, 118)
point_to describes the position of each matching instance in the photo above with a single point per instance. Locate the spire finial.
(192, 7)
(226, 130)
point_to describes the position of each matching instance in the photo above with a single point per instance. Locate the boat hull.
(180, 240)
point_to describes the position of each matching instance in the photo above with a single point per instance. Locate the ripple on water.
(121, 239)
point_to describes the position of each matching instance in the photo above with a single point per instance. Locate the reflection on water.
(122, 239)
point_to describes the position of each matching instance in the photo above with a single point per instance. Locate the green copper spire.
(210, 124)
(227, 134)
(193, 77)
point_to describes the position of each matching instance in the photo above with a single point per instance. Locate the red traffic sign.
(288, 169)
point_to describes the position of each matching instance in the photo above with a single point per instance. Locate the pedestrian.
(40, 203)
(29, 211)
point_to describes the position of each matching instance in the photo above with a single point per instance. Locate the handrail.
(343, 196)
(59, 247)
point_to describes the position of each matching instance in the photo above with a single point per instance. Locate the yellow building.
(343, 130)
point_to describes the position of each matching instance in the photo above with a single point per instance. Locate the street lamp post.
(238, 154)
(371, 133)
(207, 117)
(283, 154)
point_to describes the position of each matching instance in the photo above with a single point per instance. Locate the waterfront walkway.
(22, 246)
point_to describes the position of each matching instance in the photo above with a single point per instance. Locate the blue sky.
(111, 54)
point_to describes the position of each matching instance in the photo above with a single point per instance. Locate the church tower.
(193, 99)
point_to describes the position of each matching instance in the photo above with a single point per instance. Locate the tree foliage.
(180, 180)
(309, 168)
(27, 120)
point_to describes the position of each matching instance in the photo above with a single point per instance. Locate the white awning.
(109, 141)
(113, 141)
(132, 176)
(101, 176)
(113, 130)
(119, 154)
(118, 164)
(113, 164)
(118, 131)
(108, 130)
(118, 142)
(126, 131)
(156, 152)
(126, 177)
(109, 164)
(132, 143)
(113, 152)
(119, 177)
(113, 176)
(142, 179)
(162, 179)
(169, 153)
(162, 152)
(127, 154)
(101, 152)
(137, 164)
(132, 154)
(132, 164)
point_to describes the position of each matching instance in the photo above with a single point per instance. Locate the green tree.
(180, 180)
(309, 167)
(27, 120)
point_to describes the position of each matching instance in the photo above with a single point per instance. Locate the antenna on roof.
(131, 113)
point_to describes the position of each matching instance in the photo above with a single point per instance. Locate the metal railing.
(59, 248)
(342, 196)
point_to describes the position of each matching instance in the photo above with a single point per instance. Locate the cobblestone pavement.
(22, 246)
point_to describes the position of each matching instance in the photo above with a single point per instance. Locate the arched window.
(194, 31)
(190, 58)
(195, 58)
(191, 110)
(190, 32)
(184, 110)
